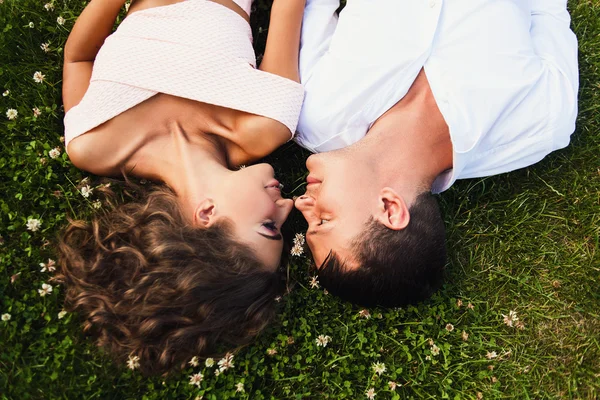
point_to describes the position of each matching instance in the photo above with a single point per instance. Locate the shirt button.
(432, 3)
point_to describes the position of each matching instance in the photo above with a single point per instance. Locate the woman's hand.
(283, 39)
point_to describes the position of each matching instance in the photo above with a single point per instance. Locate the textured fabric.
(196, 49)
(503, 73)
(245, 4)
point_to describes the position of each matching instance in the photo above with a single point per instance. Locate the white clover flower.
(96, 204)
(50, 266)
(449, 327)
(435, 350)
(54, 153)
(470, 306)
(45, 47)
(33, 224)
(510, 318)
(217, 372)
(226, 362)
(491, 355)
(194, 361)
(36, 112)
(60, 20)
(209, 362)
(239, 387)
(520, 325)
(271, 352)
(86, 191)
(364, 313)
(392, 385)
(297, 250)
(370, 394)
(127, 5)
(459, 303)
(428, 358)
(322, 340)
(43, 160)
(464, 335)
(31, 25)
(299, 239)
(196, 379)
(133, 362)
(46, 289)
(314, 282)
(49, 6)
(5, 93)
(11, 114)
(6, 317)
(38, 77)
(378, 368)
(62, 314)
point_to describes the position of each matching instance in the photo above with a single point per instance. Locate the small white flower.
(226, 362)
(43, 160)
(378, 368)
(392, 385)
(12, 114)
(62, 314)
(45, 47)
(49, 6)
(435, 350)
(54, 153)
(209, 362)
(127, 6)
(239, 387)
(314, 282)
(299, 239)
(38, 77)
(364, 313)
(271, 352)
(33, 224)
(31, 25)
(86, 191)
(46, 289)
(6, 317)
(491, 355)
(428, 358)
(133, 362)
(194, 361)
(464, 335)
(322, 340)
(297, 250)
(60, 20)
(510, 318)
(370, 394)
(96, 204)
(217, 372)
(36, 112)
(449, 327)
(50, 266)
(5, 93)
(196, 379)
(470, 306)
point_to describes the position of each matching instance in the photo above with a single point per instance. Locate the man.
(403, 97)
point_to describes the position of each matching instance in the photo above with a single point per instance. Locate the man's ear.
(392, 210)
(205, 213)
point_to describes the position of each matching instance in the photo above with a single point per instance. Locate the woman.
(173, 96)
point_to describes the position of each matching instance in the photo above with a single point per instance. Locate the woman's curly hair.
(151, 285)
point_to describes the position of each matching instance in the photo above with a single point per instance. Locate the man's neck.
(409, 144)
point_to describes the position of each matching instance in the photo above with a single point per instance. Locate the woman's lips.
(312, 179)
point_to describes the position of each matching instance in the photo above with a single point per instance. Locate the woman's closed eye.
(271, 227)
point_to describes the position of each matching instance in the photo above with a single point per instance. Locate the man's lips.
(311, 179)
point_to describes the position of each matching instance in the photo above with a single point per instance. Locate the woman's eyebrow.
(274, 237)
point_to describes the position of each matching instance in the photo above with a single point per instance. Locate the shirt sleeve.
(556, 45)
(318, 26)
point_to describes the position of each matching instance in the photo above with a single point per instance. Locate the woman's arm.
(283, 39)
(91, 29)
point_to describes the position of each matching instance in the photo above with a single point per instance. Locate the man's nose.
(304, 202)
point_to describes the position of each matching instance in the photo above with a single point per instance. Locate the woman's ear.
(205, 213)
(392, 210)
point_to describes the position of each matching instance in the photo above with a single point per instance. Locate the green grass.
(526, 241)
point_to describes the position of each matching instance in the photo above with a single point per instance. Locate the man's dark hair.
(395, 268)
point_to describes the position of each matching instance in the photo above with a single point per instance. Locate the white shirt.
(503, 73)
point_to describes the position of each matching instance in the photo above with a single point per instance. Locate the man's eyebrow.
(274, 237)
